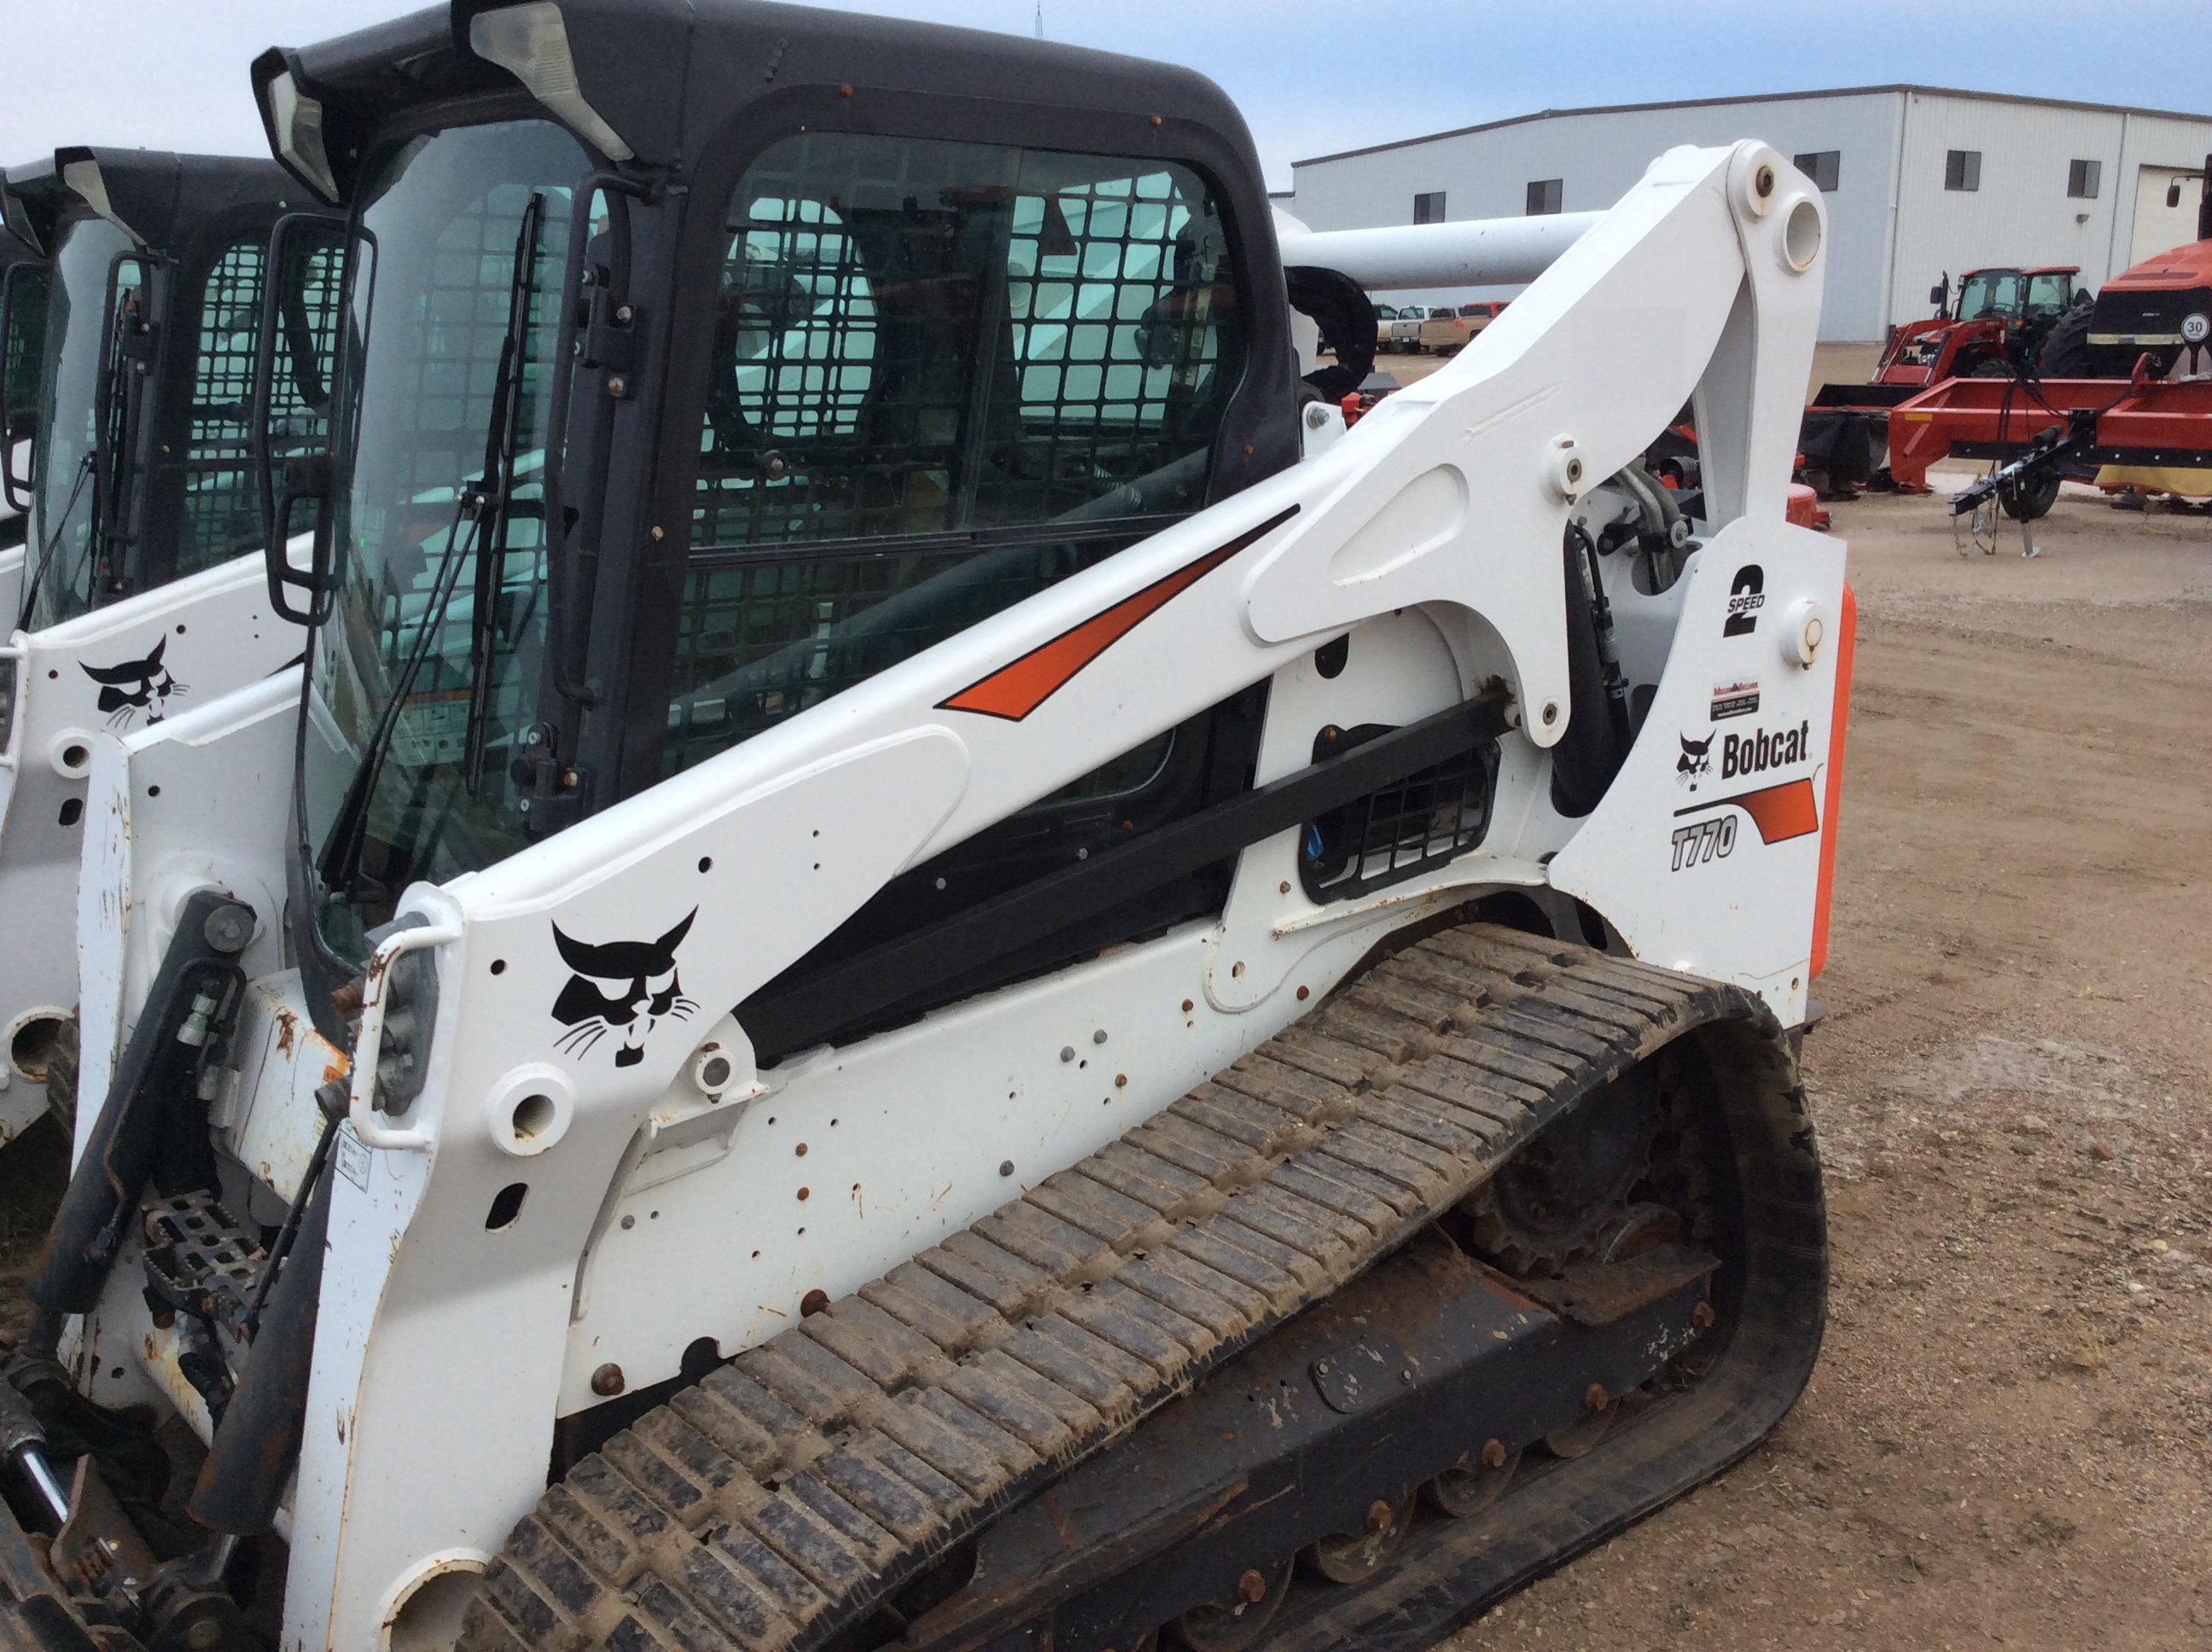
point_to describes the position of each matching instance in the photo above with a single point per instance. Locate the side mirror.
(294, 365)
(22, 359)
(2173, 194)
(1939, 295)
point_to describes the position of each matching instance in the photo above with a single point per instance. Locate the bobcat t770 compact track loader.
(917, 960)
(131, 353)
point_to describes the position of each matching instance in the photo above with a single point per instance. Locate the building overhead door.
(2158, 225)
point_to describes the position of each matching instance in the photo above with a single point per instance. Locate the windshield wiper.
(37, 575)
(484, 512)
(495, 490)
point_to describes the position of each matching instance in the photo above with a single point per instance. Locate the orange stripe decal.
(1839, 725)
(1015, 691)
(1781, 812)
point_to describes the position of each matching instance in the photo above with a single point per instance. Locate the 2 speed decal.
(1747, 596)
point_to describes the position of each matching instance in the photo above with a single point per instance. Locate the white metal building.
(1921, 181)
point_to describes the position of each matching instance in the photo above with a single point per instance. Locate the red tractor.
(2001, 318)
(2000, 313)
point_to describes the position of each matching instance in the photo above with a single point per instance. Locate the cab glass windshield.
(1989, 293)
(425, 678)
(59, 575)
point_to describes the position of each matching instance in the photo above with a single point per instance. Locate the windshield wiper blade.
(36, 577)
(340, 859)
(497, 489)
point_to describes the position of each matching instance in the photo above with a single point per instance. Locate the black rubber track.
(779, 1502)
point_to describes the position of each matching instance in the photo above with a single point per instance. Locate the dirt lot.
(2006, 1440)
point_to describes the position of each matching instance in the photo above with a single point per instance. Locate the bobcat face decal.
(1694, 762)
(645, 992)
(134, 686)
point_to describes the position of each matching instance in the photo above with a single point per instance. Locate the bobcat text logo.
(1696, 760)
(134, 686)
(1747, 596)
(647, 992)
(1753, 754)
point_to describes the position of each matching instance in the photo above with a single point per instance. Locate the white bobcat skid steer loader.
(131, 353)
(952, 972)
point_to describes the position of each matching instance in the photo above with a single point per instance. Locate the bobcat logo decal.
(1694, 762)
(647, 991)
(134, 686)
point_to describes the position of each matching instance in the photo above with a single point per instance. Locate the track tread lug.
(932, 1307)
(1072, 1411)
(808, 1377)
(1042, 1234)
(1294, 1090)
(1388, 1201)
(670, 1620)
(1192, 1147)
(656, 1478)
(990, 1275)
(1215, 1313)
(723, 1579)
(943, 1447)
(872, 1342)
(1266, 1266)
(1054, 1359)
(832, 1561)
(886, 1499)
(1232, 1302)
(1006, 1406)
(1258, 1125)
(1132, 1333)
(1091, 1206)
(754, 1404)
(1395, 1038)
(737, 1549)
(1278, 1210)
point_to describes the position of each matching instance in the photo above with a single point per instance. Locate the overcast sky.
(1311, 75)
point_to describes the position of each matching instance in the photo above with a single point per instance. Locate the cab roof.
(155, 197)
(668, 75)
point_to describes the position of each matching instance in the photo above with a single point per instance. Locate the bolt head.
(1493, 1454)
(607, 1381)
(1251, 1588)
(1763, 181)
(1594, 1398)
(816, 1301)
(1381, 1517)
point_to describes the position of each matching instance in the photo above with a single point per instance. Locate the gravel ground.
(2006, 1440)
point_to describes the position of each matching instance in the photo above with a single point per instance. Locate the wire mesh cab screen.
(944, 376)
(222, 510)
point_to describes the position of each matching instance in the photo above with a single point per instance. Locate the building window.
(2082, 178)
(1429, 209)
(1822, 166)
(1544, 196)
(1962, 169)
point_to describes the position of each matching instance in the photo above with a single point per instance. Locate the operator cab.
(130, 343)
(2013, 296)
(785, 345)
